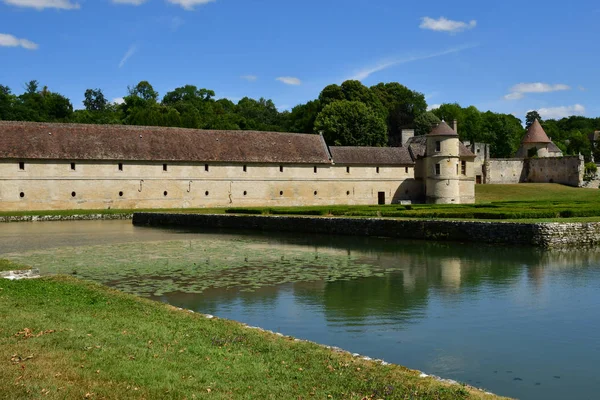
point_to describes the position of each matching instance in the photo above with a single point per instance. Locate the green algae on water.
(192, 266)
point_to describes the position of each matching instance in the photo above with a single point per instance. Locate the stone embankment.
(76, 217)
(533, 234)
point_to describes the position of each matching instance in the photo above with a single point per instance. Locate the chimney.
(455, 126)
(405, 135)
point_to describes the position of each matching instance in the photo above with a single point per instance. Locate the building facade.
(46, 166)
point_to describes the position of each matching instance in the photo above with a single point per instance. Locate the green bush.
(243, 211)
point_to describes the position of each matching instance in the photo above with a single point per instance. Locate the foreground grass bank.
(65, 338)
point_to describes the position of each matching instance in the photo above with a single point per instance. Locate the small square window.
(347, 170)
(315, 169)
(437, 169)
(377, 169)
(245, 169)
(165, 167)
(22, 165)
(281, 168)
(120, 166)
(406, 170)
(206, 167)
(438, 145)
(72, 166)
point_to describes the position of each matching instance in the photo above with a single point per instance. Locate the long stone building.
(47, 166)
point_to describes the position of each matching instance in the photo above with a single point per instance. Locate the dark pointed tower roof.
(536, 134)
(443, 129)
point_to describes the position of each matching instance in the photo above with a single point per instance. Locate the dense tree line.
(346, 114)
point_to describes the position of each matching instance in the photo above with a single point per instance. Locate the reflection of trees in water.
(355, 300)
(414, 271)
(211, 299)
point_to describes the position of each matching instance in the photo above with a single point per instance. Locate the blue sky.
(506, 56)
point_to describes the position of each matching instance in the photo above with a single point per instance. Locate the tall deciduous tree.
(94, 100)
(425, 122)
(351, 123)
(531, 117)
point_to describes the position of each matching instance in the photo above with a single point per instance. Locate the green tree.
(303, 116)
(7, 100)
(425, 122)
(351, 123)
(402, 107)
(94, 100)
(331, 93)
(531, 117)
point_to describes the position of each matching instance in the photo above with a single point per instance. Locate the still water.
(520, 322)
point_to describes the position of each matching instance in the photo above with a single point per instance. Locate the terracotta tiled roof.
(443, 129)
(417, 147)
(536, 134)
(553, 148)
(30, 140)
(371, 155)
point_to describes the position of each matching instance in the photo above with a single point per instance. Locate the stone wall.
(506, 171)
(565, 170)
(538, 234)
(59, 185)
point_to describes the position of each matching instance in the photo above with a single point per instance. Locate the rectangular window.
(315, 169)
(72, 166)
(437, 169)
(206, 167)
(22, 165)
(463, 167)
(281, 168)
(120, 166)
(456, 169)
(406, 170)
(165, 167)
(245, 169)
(347, 170)
(438, 146)
(377, 169)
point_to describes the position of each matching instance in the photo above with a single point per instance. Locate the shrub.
(243, 211)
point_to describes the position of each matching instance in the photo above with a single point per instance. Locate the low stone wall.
(534, 234)
(78, 217)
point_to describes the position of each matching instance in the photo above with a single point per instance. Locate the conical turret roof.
(536, 134)
(443, 129)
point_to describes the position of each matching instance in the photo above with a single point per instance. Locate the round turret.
(443, 166)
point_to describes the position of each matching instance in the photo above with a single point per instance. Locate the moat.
(517, 321)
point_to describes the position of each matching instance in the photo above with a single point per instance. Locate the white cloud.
(433, 107)
(366, 72)
(41, 4)
(446, 25)
(561, 112)
(289, 80)
(190, 4)
(514, 96)
(127, 55)
(7, 40)
(119, 100)
(518, 91)
(249, 78)
(132, 2)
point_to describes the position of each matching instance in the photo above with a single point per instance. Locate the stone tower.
(443, 166)
(536, 139)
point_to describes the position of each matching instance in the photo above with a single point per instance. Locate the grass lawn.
(62, 338)
(535, 192)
